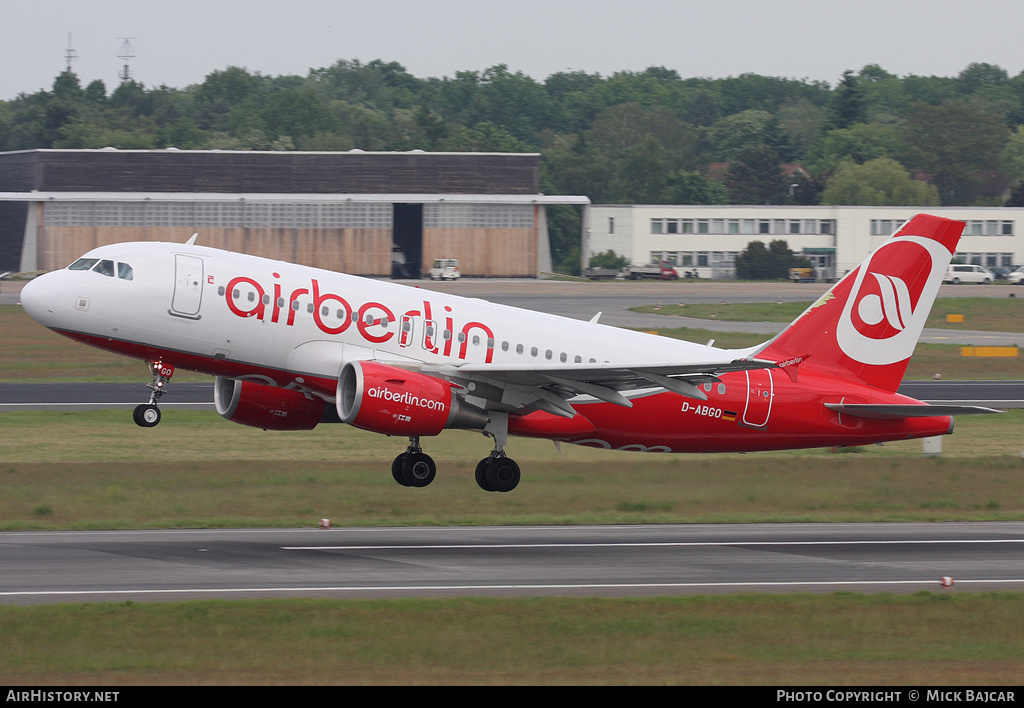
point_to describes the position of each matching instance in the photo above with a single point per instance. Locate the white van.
(957, 274)
(445, 269)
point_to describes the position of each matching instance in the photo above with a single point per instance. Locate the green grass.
(99, 470)
(927, 638)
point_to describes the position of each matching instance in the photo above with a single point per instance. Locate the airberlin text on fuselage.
(369, 314)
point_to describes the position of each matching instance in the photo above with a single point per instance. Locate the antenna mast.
(69, 55)
(125, 53)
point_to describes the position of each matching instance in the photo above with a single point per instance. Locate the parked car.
(957, 273)
(662, 270)
(1016, 276)
(445, 269)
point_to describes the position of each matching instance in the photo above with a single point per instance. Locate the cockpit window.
(105, 268)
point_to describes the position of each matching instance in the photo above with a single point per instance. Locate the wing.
(549, 387)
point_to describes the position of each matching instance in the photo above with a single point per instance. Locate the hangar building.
(357, 212)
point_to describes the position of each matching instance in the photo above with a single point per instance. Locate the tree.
(755, 178)
(608, 259)
(564, 234)
(693, 188)
(858, 143)
(956, 142)
(881, 182)
(771, 263)
(848, 102)
(733, 134)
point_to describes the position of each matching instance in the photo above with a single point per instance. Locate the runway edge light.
(947, 582)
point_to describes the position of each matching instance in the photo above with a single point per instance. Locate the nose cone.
(39, 297)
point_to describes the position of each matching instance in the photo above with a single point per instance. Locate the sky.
(179, 43)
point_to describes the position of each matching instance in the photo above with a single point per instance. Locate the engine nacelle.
(393, 401)
(265, 406)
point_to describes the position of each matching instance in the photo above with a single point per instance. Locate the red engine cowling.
(393, 401)
(265, 406)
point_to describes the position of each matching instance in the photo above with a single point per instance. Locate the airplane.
(293, 346)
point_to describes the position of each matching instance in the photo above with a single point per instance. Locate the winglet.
(192, 241)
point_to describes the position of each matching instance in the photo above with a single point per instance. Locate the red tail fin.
(869, 322)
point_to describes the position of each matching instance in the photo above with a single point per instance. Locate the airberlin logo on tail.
(890, 300)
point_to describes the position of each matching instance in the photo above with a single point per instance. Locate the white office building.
(706, 239)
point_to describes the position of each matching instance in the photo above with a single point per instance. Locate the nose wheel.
(147, 415)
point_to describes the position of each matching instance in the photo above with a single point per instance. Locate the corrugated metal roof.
(288, 197)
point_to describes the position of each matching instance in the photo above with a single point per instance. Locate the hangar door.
(407, 241)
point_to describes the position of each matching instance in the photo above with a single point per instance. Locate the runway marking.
(516, 587)
(642, 544)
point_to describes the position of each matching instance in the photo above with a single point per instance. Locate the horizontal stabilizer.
(883, 411)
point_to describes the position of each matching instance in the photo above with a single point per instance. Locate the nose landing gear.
(147, 415)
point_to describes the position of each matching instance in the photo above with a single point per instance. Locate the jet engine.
(386, 399)
(265, 406)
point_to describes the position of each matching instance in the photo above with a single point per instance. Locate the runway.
(603, 561)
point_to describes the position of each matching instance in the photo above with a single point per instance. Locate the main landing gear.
(495, 473)
(413, 468)
(147, 415)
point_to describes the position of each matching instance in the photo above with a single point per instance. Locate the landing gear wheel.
(501, 474)
(418, 469)
(396, 468)
(146, 415)
(481, 474)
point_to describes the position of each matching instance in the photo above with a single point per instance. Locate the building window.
(1007, 228)
(764, 226)
(687, 226)
(826, 226)
(611, 224)
(657, 226)
(673, 226)
(702, 226)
